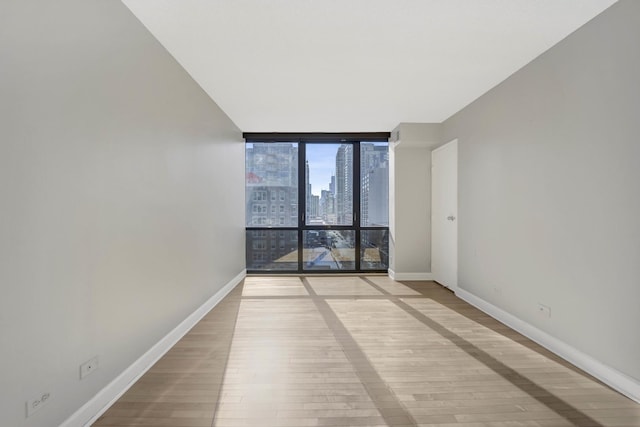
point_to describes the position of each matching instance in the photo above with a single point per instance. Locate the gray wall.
(549, 190)
(410, 250)
(410, 198)
(121, 199)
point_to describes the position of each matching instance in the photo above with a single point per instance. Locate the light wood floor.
(361, 351)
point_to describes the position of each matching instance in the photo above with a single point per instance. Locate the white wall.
(121, 199)
(549, 193)
(410, 200)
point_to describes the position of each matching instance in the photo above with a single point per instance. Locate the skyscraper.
(314, 212)
(327, 207)
(344, 184)
(272, 184)
(374, 180)
(271, 201)
(308, 191)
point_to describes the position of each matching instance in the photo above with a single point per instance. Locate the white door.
(444, 215)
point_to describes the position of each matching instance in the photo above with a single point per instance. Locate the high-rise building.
(272, 184)
(308, 190)
(327, 207)
(344, 184)
(374, 180)
(271, 200)
(314, 212)
(375, 209)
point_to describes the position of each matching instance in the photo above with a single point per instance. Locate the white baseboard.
(410, 276)
(94, 408)
(615, 379)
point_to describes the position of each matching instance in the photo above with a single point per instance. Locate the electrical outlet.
(544, 311)
(88, 367)
(35, 404)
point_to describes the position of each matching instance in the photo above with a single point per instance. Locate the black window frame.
(302, 139)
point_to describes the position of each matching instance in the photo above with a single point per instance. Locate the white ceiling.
(354, 65)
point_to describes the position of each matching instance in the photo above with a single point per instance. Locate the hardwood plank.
(361, 351)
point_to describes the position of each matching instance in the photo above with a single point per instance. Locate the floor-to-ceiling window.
(317, 202)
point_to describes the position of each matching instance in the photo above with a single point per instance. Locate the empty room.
(319, 213)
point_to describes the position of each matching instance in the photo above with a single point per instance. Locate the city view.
(330, 195)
